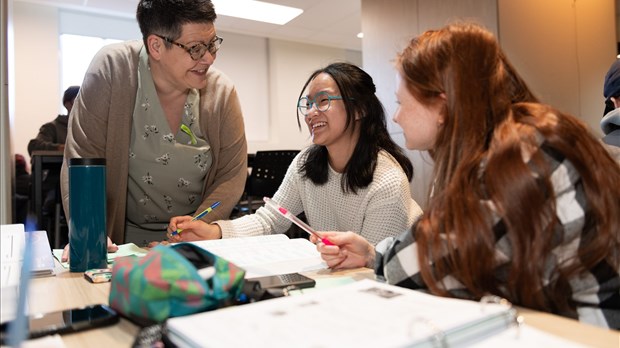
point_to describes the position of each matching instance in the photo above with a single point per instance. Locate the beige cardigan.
(100, 126)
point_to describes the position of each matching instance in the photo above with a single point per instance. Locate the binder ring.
(438, 336)
(494, 299)
(515, 319)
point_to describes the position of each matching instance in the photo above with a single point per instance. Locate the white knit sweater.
(382, 209)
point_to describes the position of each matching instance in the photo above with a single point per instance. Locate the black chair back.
(268, 170)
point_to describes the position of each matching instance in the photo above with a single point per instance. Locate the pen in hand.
(287, 214)
(199, 216)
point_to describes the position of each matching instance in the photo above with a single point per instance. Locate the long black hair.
(358, 94)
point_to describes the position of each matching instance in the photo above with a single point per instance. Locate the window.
(76, 52)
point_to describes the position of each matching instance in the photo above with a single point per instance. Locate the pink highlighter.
(287, 214)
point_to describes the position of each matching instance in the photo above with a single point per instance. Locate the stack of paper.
(13, 241)
(13, 284)
(43, 261)
(12, 245)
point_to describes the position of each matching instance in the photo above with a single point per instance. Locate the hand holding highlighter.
(287, 214)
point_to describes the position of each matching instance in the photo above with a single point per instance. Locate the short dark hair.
(70, 94)
(166, 17)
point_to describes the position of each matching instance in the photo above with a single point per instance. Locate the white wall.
(387, 30)
(563, 52)
(562, 48)
(268, 73)
(37, 80)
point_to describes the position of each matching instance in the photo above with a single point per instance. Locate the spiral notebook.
(362, 314)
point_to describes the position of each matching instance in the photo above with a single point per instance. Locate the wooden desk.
(67, 290)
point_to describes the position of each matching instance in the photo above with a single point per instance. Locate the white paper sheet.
(267, 255)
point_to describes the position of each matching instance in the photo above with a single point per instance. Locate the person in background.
(168, 124)
(353, 177)
(525, 201)
(610, 124)
(52, 135)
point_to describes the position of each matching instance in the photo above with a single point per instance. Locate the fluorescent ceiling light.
(256, 11)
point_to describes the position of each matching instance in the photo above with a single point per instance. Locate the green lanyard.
(185, 129)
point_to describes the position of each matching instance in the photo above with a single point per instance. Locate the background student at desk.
(168, 124)
(52, 135)
(353, 177)
(525, 200)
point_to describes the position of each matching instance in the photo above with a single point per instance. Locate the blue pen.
(203, 213)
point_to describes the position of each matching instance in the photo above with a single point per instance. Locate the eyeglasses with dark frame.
(322, 100)
(198, 50)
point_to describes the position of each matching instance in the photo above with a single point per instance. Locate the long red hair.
(492, 120)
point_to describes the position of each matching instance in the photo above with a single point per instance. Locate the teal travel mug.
(87, 214)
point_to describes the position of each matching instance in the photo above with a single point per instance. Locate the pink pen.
(287, 214)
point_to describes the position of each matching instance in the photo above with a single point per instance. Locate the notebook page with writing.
(267, 255)
(362, 314)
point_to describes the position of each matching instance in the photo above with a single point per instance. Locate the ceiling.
(323, 22)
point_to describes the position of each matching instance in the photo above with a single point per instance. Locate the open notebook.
(267, 255)
(259, 255)
(362, 314)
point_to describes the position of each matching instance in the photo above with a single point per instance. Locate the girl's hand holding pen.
(193, 230)
(349, 250)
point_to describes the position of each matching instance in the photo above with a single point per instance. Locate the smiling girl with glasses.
(352, 178)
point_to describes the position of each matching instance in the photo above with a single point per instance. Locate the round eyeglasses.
(198, 50)
(322, 101)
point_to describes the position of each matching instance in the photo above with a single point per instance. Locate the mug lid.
(87, 162)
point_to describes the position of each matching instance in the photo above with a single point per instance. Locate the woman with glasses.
(353, 177)
(168, 124)
(525, 201)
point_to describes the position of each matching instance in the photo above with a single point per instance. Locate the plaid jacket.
(596, 293)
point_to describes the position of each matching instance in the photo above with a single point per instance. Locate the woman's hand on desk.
(192, 230)
(350, 250)
(65, 253)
